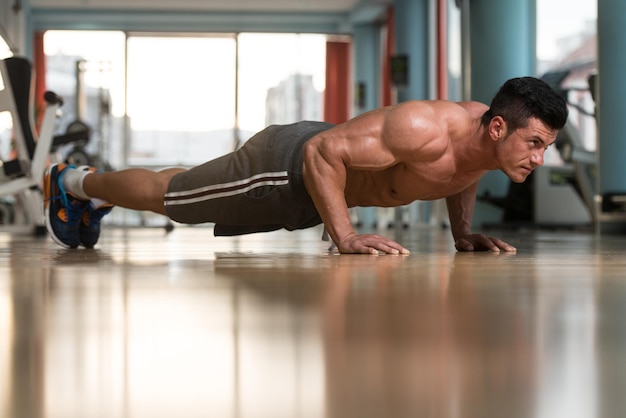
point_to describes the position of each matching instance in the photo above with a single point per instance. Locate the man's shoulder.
(439, 108)
(475, 109)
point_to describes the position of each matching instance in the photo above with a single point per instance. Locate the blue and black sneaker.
(89, 229)
(63, 212)
(90, 224)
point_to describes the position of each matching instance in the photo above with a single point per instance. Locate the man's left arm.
(461, 210)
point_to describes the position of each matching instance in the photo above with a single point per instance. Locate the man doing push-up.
(300, 175)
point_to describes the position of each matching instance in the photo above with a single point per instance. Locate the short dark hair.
(522, 98)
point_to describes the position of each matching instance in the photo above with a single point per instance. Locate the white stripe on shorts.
(214, 191)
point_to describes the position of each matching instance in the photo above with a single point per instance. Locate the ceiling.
(303, 16)
(288, 6)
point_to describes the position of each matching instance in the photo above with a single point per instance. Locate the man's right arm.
(325, 181)
(373, 141)
(356, 145)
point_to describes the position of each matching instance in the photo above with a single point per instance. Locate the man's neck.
(476, 151)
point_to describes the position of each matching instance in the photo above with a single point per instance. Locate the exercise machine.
(22, 174)
(565, 194)
(603, 208)
(77, 154)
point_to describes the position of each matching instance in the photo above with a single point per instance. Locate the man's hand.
(480, 242)
(369, 244)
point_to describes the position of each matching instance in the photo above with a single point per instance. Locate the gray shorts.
(258, 188)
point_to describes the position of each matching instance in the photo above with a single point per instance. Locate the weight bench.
(22, 176)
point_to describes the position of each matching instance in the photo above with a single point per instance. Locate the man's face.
(522, 150)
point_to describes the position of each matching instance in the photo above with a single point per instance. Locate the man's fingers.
(464, 245)
(489, 244)
(505, 247)
(498, 244)
(386, 248)
(373, 244)
(391, 247)
(483, 242)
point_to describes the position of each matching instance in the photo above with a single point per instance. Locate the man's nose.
(536, 158)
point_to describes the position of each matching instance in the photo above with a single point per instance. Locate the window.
(566, 41)
(5, 51)
(182, 99)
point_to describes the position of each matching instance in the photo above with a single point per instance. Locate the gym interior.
(166, 320)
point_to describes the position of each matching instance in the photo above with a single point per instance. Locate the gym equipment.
(21, 176)
(78, 155)
(557, 201)
(564, 194)
(608, 207)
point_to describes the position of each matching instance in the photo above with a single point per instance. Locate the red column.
(442, 51)
(337, 92)
(389, 46)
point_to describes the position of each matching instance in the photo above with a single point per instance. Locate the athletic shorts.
(258, 188)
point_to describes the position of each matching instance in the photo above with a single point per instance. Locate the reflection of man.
(427, 337)
(297, 176)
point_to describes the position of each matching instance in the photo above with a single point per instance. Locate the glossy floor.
(271, 325)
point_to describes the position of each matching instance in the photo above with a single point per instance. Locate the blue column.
(612, 95)
(502, 46)
(366, 37)
(502, 36)
(366, 67)
(412, 40)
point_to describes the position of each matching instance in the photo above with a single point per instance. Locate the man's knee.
(166, 175)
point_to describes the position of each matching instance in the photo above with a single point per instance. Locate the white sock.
(72, 181)
(98, 203)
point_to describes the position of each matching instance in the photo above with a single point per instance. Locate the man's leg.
(134, 188)
(77, 199)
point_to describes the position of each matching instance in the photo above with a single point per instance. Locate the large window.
(281, 79)
(87, 69)
(566, 41)
(182, 99)
(563, 26)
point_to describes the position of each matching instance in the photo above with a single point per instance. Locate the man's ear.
(497, 128)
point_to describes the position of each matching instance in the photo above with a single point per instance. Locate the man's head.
(523, 121)
(522, 98)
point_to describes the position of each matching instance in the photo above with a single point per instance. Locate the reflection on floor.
(271, 325)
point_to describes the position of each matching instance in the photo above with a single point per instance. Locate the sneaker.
(89, 229)
(63, 212)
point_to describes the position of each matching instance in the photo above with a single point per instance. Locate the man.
(300, 175)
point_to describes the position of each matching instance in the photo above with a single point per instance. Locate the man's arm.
(357, 145)
(325, 181)
(461, 210)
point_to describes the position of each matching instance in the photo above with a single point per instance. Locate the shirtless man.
(297, 176)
